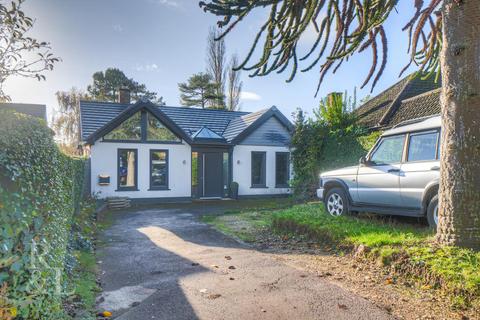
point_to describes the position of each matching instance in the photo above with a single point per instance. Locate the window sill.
(282, 186)
(123, 190)
(159, 189)
(259, 187)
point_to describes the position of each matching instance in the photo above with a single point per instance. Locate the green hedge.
(40, 189)
(317, 147)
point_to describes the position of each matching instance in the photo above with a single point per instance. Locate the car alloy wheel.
(335, 205)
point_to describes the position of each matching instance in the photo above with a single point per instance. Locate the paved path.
(162, 263)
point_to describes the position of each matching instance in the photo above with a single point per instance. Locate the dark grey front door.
(213, 182)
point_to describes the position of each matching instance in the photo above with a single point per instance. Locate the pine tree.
(200, 90)
(106, 84)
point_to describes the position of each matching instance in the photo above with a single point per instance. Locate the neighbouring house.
(35, 110)
(407, 99)
(159, 153)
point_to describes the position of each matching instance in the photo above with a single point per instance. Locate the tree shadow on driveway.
(162, 263)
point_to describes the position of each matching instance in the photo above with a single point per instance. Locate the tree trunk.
(459, 209)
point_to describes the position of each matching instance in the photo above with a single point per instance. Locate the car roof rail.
(412, 121)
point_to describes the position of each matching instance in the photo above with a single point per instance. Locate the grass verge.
(85, 284)
(256, 214)
(405, 249)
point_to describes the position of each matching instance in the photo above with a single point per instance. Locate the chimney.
(123, 95)
(332, 96)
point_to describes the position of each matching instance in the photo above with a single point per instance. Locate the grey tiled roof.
(193, 119)
(379, 111)
(95, 115)
(225, 124)
(426, 104)
(239, 124)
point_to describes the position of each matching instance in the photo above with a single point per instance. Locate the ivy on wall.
(40, 189)
(320, 145)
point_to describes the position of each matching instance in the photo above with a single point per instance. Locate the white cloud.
(247, 95)
(117, 28)
(170, 3)
(147, 67)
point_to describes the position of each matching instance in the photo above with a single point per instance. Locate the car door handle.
(436, 168)
(393, 170)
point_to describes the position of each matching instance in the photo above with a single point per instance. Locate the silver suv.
(398, 176)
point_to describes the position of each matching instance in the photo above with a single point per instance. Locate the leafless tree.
(234, 85)
(216, 65)
(67, 123)
(20, 54)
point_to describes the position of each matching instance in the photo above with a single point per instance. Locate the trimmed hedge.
(40, 190)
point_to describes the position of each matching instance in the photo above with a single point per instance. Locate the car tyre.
(432, 213)
(336, 202)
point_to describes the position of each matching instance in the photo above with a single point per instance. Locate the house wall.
(104, 162)
(242, 173)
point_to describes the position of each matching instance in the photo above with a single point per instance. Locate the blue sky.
(163, 42)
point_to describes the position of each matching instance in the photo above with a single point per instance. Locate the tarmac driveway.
(162, 263)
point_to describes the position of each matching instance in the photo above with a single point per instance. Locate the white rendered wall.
(242, 158)
(104, 162)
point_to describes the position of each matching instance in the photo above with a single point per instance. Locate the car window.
(389, 150)
(422, 146)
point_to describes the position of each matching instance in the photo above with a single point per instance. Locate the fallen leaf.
(203, 290)
(214, 296)
(228, 257)
(214, 266)
(232, 268)
(342, 306)
(389, 281)
(263, 310)
(232, 278)
(105, 314)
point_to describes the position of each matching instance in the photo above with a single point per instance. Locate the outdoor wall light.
(238, 161)
(184, 161)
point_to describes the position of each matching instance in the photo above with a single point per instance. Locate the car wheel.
(432, 213)
(336, 202)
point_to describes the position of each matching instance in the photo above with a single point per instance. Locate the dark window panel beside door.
(259, 169)
(282, 169)
(158, 169)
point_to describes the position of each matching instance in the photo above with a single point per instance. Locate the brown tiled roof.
(379, 111)
(423, 105)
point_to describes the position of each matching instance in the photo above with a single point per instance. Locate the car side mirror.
(363, 160)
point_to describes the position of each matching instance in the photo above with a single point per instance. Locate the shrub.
(320, 145)
(40, 189)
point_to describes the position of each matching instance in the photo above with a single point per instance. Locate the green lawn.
(311, 220)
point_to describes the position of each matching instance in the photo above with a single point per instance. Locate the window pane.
(258, 169)
(130, 129)
(127, 167)
(390, 150)
(225, 173)
(195, 174)
(422, 146)
(156, 131)
(159, 165)
(281, 169)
